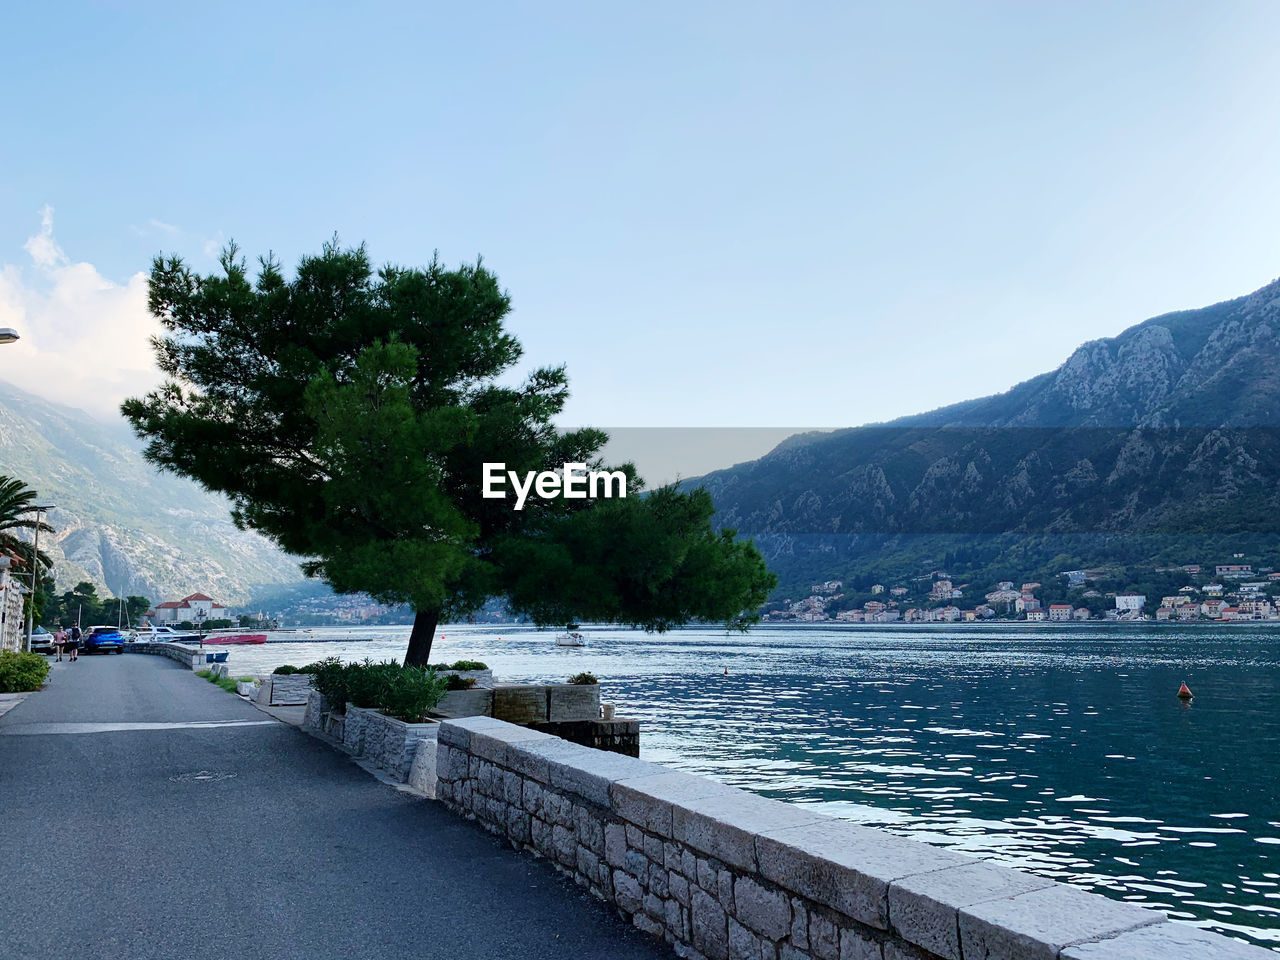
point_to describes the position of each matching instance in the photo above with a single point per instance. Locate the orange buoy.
(1184, 692)
(726, 671)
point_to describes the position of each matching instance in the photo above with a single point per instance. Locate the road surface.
(146, 813)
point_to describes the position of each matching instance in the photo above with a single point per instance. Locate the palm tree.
(18, 513)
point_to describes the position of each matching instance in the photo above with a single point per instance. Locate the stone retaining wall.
(188, 656)
(722, 873)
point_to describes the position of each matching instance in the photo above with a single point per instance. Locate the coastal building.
(851, 616)
(1191, 568)
(829, 586)
(1059, 611)
(898, 591)
(1035, 616)
(1004, 585)
(1081, 613)
(877, 588)
(1126, 602)
(942, 590)
(1026, 602)
(1213, 608)
(11, 593)
(1233, 571)
(1002, 595)
(1164, 613)
(195, 608)
(1031, 587)
(1074, 578)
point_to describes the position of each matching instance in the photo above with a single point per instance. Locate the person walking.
(59, 639)
(73, 645)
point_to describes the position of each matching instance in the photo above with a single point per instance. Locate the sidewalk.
(149, 814)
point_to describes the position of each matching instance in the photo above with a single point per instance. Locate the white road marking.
(32, 729)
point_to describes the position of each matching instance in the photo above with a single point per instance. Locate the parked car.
(102, 640)
(41, 641)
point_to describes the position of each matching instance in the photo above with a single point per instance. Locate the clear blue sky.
(717, 214)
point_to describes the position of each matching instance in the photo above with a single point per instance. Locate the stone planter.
(521, 703)
(289, 689)
(465, 703)
(353, 729)
(400, 743)
(317, 711)
(573, 701)
(483, 678)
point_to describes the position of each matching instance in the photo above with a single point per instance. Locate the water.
(1063, 752)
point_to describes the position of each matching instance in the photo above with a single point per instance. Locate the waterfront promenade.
(149, 814)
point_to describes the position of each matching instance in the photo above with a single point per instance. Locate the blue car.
(102, 640)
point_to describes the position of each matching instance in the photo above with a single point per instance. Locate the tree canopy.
(348, 412)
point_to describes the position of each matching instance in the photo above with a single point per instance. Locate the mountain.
(1155, 443)
(119, 522)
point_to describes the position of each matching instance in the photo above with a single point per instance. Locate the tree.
(347, 414)
(18, 516)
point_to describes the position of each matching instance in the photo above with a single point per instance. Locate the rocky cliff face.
(1171, 428)
(1218, 366)
(121, 524)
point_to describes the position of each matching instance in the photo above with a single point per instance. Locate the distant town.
(1223, 592)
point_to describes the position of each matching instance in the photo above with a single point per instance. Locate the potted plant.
(579, 699)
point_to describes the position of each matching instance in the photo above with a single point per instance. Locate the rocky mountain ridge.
(119, 522)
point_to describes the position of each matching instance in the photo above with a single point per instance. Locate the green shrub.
(454, 682)
(331, 682)
(583, 679)
(285, 669)
(22, 672)
(411, 692)
(405, 693)
(469, 665)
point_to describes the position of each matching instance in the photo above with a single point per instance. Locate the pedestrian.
(59, 639)
(73, 645)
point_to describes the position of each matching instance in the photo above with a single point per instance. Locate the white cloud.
(84, 338)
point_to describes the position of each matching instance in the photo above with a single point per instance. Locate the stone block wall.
(725, 874)
(188, 656)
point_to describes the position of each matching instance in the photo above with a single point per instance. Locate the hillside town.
(1222, 592)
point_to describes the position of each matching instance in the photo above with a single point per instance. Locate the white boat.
(570, 638)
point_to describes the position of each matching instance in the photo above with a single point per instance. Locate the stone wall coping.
(892, 889)
(1167, 941)
(924, 908)
(647, 801)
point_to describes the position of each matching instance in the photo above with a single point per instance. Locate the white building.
(11, 594)
(195, 608)
(1130, 601)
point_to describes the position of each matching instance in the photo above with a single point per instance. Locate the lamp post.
(8, 335)
(40, 509)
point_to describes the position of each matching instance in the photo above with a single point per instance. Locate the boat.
(229, 638)
(168, 634)
(570, 638)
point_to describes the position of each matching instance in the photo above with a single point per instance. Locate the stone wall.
(188, 656)
(721, 873)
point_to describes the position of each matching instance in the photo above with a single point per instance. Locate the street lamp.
(8, 334)
(40, 509)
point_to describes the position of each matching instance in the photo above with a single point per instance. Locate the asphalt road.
(238, 838)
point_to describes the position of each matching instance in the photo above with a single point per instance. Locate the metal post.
(35, 577)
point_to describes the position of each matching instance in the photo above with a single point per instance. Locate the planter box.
(400, 743)
(483, 678)
(523, 703)
(573, 701)
(289, 689)
(465, 703)
(317, 710)
(353, 729)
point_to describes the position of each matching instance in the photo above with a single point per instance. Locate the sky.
(737, 214)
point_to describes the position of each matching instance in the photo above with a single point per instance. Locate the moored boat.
(228, 638)
(570, 638)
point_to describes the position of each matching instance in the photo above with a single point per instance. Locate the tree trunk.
(424, 632)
